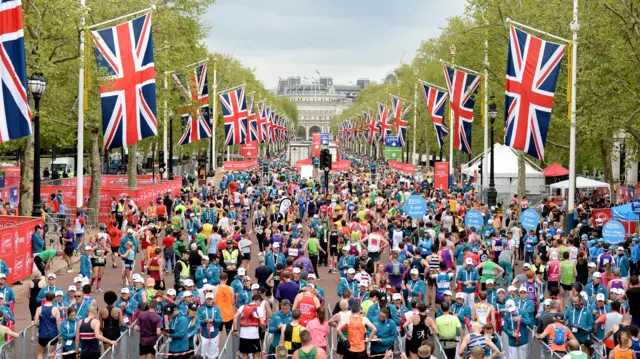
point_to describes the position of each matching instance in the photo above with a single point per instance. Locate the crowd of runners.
(251, 256)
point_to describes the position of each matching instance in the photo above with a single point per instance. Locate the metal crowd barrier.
(20, 347)
(438, 351)
(162, 346)
(230, 348)
(127, 346)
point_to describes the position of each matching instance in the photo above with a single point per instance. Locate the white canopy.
(505, 164)
(581, 182)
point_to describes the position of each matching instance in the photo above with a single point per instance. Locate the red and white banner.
(249, 150)
(301, 163)
(240, 165)
(341, 165)
(402, 167)
(602, 213)
(315, 144)
(15, 239)
(441, 176)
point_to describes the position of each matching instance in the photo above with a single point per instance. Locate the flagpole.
(434, 86)
(575, 27)
(485, 173)
(415, 120)
(153, 7)
(214, 115)
(164, 130)
(80, 149)
(452, 51)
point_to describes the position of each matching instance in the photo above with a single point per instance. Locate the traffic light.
(325, 159)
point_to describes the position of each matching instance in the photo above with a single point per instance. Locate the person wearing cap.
(6, 291)
(209, 317)
(604, 258)
(127, 306)
(245, 293)
(599, 308)
(346, 262)
(231, 259)
(634, 267)
(129, 238)
(526, 306)
(279, 320)
(274, 256)
(348, 282)
(50, 287)
(467, 280)
(186, 300)
(382, 301)
(579, 319)
(516, 332)
(297, 277)
(596, 287)
(558, 333)
(311, 279)
(622, 262)
(177, 330)
(37, 240)
(415, 287)
(237, 282)
(203, 273)
(460, 308)
(58, 302)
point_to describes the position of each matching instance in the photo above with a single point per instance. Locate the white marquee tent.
(581, 182)
(506, 171)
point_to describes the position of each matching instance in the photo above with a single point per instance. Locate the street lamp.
(37, 86)
(492, 194)
(170, 169)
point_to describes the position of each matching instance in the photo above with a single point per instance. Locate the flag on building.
(234, 112)
(532, 74)
(15, 113)
(463, 88)
(398, 115)
(436, 101)
(128, 97)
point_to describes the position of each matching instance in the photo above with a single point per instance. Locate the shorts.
(246, 256)
(33, 306)
(248, 346)
(357, 355)
(90, 355)
(128, 264)
(333, 251)
(552, 284)
(227, 325)
(68, 251)
(115, 249)
(79, 235)
(96, 264)
(566, 287)
(146, 349)
(44, 342)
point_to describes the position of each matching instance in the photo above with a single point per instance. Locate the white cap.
(489, 281)
(459, 295)
(77, 279)
(311, 276)
(512, 288)
(597, 275)
(526, 266)
(554, 256)
(59, 292)
(171, 291)
(124, 290)
(447, 292)
(591, 265)
(276, 245)
(130, 231)
(1, 296)
(52, 275)
(242, 271)
(310, 285)
(510, 305)
(2, 275)
(208, 295)
(246, 278)
(363, 283)
(187, 293)
(468, 261)
(255, 286)
(345, 248)
(208, 287)
(87, 248)
(599, 297)
(396, 296)
(522, 289)
(293, 251)
(414, 271)
(194, 246)
(547, 301)
(136, 275)
(138, 280)
(72, 288)
(351, 271)
(500, 290)
(296, 270)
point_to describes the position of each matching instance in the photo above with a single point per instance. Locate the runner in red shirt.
(114, 240)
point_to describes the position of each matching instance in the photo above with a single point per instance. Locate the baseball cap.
(242, 271)
(468, 261)
(124, 290)
(489, 281)
(170, 308)
(87, 248)
(591, 265)
(554, 256)
(597, 275)
(296, 270)
(59, 292)
(138, 280)
(2, 275)
(512, 288)
(208, 296)
(246, 278)
(311, 276)
(194, 246)
(77, 279)
(414, 271)
(255, 286)
(620, 249)
(447, 292)
(52, 275)
(459, 295)
(526, 266)
(345, 248)
(351, 271)
(522, 289)
(171, 291)
(363, 283)
(599, 297)
(208, 287)
(500, 290)
(72, 288)
(187, 293)
(396, 296)
(130, 231)
(547, 301)
(559, 316)
(276, 245)
(510, 305)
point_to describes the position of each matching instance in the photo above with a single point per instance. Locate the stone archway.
(312, 130)
(301, 133)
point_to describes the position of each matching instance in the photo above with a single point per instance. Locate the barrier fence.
(19, 348)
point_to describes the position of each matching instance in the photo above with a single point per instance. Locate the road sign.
(324, 140)
(635, 205)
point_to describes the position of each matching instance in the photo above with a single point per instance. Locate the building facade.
(318, 101)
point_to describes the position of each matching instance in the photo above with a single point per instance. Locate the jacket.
(179, 335)
(123, 242)
(215, 273)
(204, 275)
(465, 275)
(68, 334)
(349, 261)
(418, 290)
(510, 326)
(462, 311)
(352, 286)
(37, 243)
(269, 260)
(526, 309)
(205, 312)
(277, 319)
(9, 296)
(85, 266)
(592, 292)
(374, 312)
(236, 285)
(582, 319)
(387, 332)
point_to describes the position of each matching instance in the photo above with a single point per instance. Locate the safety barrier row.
(20, 347)
(127, 346)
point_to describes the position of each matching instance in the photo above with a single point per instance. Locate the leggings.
(314, 262)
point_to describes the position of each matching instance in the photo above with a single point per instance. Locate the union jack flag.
(398, 115)
(268, 124)
(384, 128)
(234, 111)
(196, 116)
(262, 123)
(128, 99)
(532, 74)
(462, 92)
(252, 126)
(275, 126)
(373, 130)
(15, 113)
(365, 126)
(436, 100)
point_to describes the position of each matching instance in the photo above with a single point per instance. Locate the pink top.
(319, 332)
(553, 275)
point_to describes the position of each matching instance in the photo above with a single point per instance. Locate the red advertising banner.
(441, 176)
(602, 213)
(315, 143)
(301, 163)
(240, 165)
(15, 239)
(249, 150)
(402, 167)
(342, 165)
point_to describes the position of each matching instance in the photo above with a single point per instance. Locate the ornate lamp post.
(170, 169)
(492, 194)
(37, 86)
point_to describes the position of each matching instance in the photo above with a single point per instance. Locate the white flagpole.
(164, 130)
(485, 114)
(214, 114)
(80, 149)
(415, 120)
(575, 27)
(452, 50)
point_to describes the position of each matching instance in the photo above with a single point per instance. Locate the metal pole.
(214, 115)
(453, 57)
(485, 113)
(164, 130)
(80, 149)
(37, 206)
(575, 27)
(415, 120)
(170, 168)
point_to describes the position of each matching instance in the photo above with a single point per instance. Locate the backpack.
(396, 268)
(559, 333)
(247, 319)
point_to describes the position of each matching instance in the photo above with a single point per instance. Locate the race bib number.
(204, 280)
(68, 342)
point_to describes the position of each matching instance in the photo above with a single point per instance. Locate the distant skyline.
(344, 40)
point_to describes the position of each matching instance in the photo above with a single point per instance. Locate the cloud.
(344, 39)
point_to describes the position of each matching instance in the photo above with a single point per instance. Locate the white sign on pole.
(306, 171)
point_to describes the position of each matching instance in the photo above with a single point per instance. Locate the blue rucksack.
(559, 334)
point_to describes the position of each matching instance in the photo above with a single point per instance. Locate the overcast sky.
(344, 39)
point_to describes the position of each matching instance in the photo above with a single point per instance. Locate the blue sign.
(324, 139)
(474, 218)
(392, 141)
(530, 219)
(613, 232)
(635, 206)
(415, 206)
